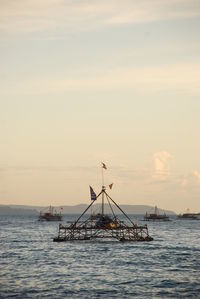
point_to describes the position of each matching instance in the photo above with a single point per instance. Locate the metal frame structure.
(103, 226)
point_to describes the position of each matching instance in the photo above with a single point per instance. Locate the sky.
(85, 82)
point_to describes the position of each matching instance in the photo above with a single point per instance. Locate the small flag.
(92, 194)
(104, 165)
(110, 186)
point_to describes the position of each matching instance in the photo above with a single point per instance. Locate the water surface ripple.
(32, 266)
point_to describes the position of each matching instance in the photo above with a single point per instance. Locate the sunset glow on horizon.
(89, 81)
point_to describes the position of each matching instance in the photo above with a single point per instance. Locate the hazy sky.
(88, 81)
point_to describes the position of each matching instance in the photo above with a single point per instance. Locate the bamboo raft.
(103, 226)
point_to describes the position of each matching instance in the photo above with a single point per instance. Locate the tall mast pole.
(102, 177)
(103, 201)
(102, 192)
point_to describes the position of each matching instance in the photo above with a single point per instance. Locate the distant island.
(77, 209)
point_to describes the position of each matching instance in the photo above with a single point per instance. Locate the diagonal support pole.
(86, 210)
(120, 208)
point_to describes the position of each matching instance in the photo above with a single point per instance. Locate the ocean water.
(33, 266)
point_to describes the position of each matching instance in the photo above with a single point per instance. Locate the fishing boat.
(188, 216)
(103, 226)
(50, 215)
(156, 216)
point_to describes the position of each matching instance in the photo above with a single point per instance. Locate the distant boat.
(50, 215)
(155, 216)
(189, 216)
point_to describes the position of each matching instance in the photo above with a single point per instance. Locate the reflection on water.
(32, 266)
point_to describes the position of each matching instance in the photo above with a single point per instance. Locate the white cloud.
(190, 181)
(196, 175)
(31, 16)
(181, 77)
(161, 165)
(154, 10)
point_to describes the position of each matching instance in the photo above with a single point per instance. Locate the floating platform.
(103, 226)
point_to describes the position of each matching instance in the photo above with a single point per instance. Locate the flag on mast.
(110, 186)
(104, 165)
(92, 194)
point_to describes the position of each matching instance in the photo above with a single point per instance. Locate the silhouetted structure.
(155, 216)
(50, 215)
(188, 216)
(103, 226)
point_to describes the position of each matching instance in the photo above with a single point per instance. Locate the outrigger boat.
(50, 215)
(155, 216)
(103, 226)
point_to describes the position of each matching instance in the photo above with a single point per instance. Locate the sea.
(33, 266)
